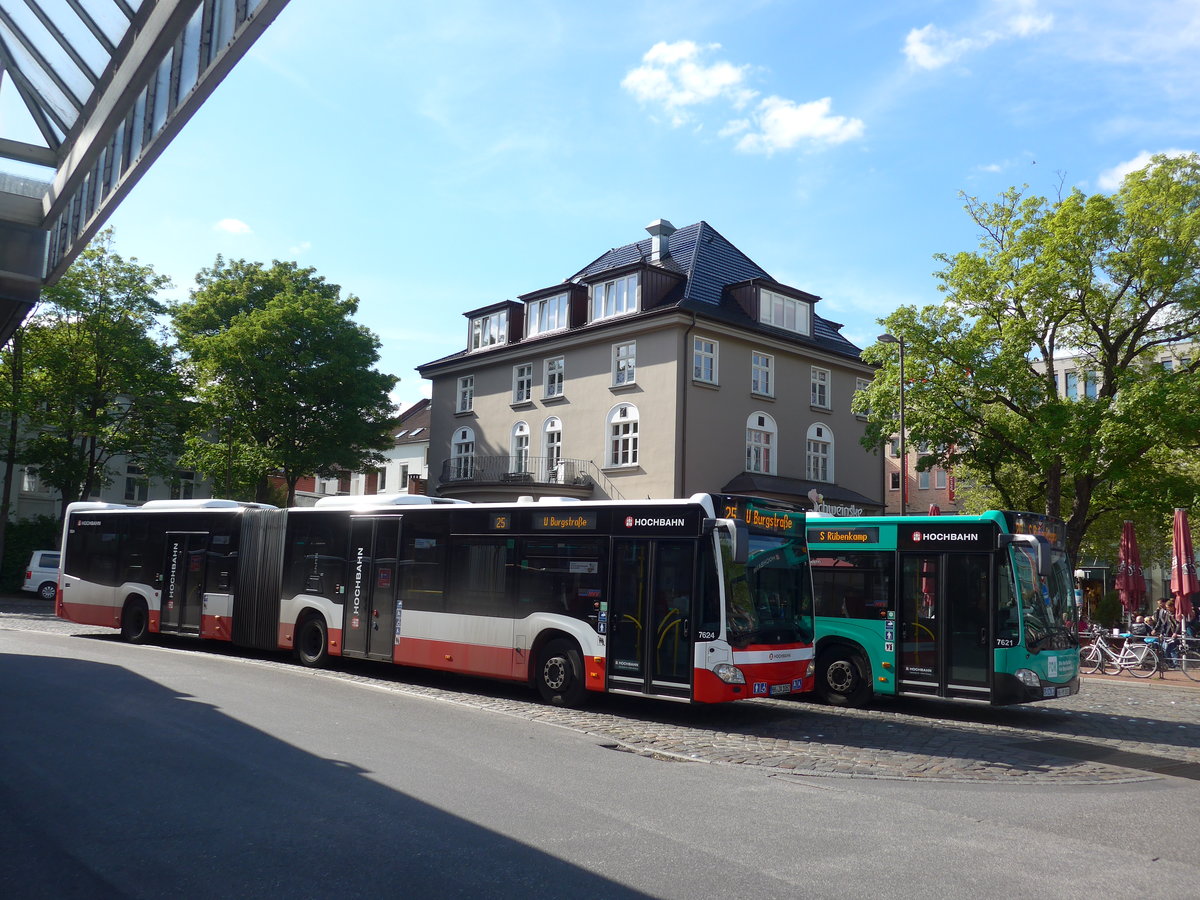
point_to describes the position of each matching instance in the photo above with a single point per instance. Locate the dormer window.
(546, 315)
(784, 312)
(489, 330)
(618, 297)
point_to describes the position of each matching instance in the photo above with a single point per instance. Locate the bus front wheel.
(842, 678)
(312, 642)
(135, 621)
(560, 674)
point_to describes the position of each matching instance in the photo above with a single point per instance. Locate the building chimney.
(660, 239)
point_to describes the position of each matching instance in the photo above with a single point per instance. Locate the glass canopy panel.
(50, 50)
(110, 17)
(49, 96)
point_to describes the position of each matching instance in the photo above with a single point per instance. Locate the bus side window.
(1007, 626)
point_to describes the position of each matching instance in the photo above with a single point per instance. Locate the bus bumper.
(1008, 689)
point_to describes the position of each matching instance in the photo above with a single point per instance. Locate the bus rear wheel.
(135, 621)
(560, 674)
(842, 678)
(312, 642)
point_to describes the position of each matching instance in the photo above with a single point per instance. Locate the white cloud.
(1111, 179)
(675, 77)
(782, 124)
(302, 247)
(233, 226)
(681, 78)
(932, 47)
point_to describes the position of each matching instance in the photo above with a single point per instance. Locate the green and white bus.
(963, 607)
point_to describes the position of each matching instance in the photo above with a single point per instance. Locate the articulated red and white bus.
(658, 598)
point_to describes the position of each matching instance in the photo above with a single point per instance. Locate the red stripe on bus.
(471, 659)
(90, 614)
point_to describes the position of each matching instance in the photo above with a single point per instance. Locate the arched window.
(622, 427)
(520, 448)
(552, 442)
(462, 453)
(819, 453)
(761, 443)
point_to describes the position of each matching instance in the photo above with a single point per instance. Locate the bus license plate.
(777, 689)
(1064, 692)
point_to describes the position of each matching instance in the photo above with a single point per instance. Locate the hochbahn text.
(661, 598)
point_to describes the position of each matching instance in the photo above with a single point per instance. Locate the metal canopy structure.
(91, 92)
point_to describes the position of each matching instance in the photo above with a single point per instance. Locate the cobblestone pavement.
(1117, 729)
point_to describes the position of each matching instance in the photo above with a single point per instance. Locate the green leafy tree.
(1098, 284)
(98, 380)
(284, 377)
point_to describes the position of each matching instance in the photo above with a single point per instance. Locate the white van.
(41, 575)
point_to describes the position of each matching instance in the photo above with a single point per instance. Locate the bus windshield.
(769, 597)
(1047, 606)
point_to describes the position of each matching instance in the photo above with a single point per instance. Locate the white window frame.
(624, 363)
(622, 436)
(547, 315)
(519, 447)
(552, 442)
(554, 382)
(821, 392)
(465, 394)
(762, 443)
(818, 453)
(939, 478)
(490, 330)
(860, 385)
(923, 480)
(523, 383)
(616, 297)
(705, 356)
(762, 373)
(462, 454)
(788, 313)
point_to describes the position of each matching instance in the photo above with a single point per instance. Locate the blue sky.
(435, 157)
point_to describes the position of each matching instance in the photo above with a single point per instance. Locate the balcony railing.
(540, 471)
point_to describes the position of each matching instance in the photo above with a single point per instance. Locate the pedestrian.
(1164, 624)
(1140, 626)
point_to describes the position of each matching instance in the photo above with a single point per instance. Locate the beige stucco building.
(665, 367)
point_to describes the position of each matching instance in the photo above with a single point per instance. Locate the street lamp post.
(892, 339)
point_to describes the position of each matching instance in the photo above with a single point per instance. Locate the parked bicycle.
(1177, 654)
(1133, 656)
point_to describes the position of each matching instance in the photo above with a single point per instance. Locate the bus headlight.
(1028, 677)
(729, 674)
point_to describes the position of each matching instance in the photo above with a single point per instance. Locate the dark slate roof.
(413, 419)
(709, 264)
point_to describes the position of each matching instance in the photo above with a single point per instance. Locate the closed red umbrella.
(1131, 583)
(934, 509)
(1184, 583)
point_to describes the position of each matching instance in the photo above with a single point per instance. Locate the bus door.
(369, 609)
(183, 581)
(649, 616)
(945, 642)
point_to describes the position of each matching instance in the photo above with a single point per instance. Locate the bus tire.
(559, 674)
(842, 678)
(48, 590)
(135, 621)
(312, 642)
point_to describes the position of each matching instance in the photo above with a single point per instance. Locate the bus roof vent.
(345, 501)
(211, 503)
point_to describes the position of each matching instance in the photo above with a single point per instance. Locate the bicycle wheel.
(1091, 659)
(1145, 661)
(1189, 664)
(1110, 664)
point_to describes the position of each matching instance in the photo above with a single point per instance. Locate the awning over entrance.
(832, 498)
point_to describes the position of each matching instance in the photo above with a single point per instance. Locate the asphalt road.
(170, 770)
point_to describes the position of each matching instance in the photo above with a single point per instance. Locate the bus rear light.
(729, 674)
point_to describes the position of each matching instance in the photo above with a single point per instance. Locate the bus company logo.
(174, 572)
(82, 522)
(630, 522)
(780, 655)
(358, 576)
(918, 536)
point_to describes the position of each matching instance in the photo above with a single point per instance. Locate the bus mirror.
(1039, 545)
(741, 542)
(739, 537)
